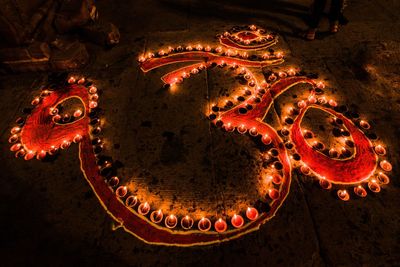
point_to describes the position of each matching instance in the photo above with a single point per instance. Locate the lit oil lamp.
(156, 216)
(276, 179)
(272, 77)
(41, 155)
(318, 145)
(71, 80)
(383, 178)
(92, 104)
(121, 191)
(131, 201)
(53, 111)
(305, 170)
(385, 165)
(333, 153)
(302, 104)
(343, 195)
(237, 221)
(218, 49)
(273, 194)
(220, 225)
(144, 208)
(345, 152)
(81, 80)
(364, 124)
(13, 138)
(92, 89)
(15, 130)
(242, 129)
(321, 85)
(185, 75)
(204, 224)
(65, 144)
(16, 147)
(20, 153)
(332, 103)
(282, 74)
(142, 59)
(279, 55)
(187, 222)
(265, 56)
(35, 101)
(96, 130)
(44, 93)
(253, 131)
(77, 138)
(114, 181)
(66, 118)
(322, 100)
(266, 139)
(325, 184)
(94, 97)
(53, 150)
(285, 131)
(374, 186)
(312, 99)
(360, 191)
(251, 213)
(77, 113)
(171, 221)
(229, 128)
(380, 150)
(29, 155)
(291, 72)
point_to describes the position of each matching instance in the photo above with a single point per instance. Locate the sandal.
(334, 28)
(310, 35)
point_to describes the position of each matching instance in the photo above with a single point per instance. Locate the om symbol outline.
(44, 132)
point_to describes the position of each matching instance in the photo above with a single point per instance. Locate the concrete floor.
(50, 216)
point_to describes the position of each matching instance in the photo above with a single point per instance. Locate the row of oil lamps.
(206, 48)
(171, 221)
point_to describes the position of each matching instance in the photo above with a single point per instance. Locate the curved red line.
(356, 169)
(154, 63)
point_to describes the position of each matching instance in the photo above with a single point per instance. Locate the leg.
(316, 15)
(334, 15)
(317, 12)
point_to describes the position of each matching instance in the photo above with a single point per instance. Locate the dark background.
(50, 216)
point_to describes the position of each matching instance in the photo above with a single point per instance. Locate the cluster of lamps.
(21, 149)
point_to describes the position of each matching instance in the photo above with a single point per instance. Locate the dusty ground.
(51, 217)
